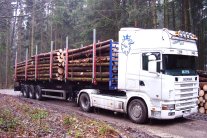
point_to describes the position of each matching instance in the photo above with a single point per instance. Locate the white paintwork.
(156, 89)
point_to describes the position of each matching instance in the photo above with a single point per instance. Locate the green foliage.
(7, 121)
(67, 120)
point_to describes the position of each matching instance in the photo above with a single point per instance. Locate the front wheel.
(84, 102)
(137, 111)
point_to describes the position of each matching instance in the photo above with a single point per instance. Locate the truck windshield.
(178, 65)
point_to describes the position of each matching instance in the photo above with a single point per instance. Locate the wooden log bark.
(201, 84)
(85, 48)
(89, 60)
(88, 53)
(205, 106)
(89, 74)
(87, 64)
(87, 69)
(202, 73)
(202, 79)
(87, 79)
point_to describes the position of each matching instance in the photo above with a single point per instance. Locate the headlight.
(168, 107)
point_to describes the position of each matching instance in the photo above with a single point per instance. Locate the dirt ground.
(193, 126)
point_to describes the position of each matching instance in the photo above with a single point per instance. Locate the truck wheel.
(22, 90)
(137, 111)
(25, 92)
(38, 93)
(31, 92)
(84, 102)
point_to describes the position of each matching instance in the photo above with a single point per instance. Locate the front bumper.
(172, 114)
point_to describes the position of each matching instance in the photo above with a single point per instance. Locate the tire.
(38, 93)
(31, 92)
(84, 102)
(25, 92)
(22, 90)
(137, 111)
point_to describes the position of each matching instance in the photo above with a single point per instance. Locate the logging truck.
(149, 73)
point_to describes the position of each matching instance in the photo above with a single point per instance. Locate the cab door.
(150, 76)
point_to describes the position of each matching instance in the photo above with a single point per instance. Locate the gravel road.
(191, 127)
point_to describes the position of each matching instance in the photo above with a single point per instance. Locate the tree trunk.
(186, 15)
(56, 30)
(154, 14)
(19, 35)
(2, 69)
(191, 17)
(41, 41)
(7, 53)
(32, 37)
(136, 24)
(166, 14)
(173, 15)
(200, 43)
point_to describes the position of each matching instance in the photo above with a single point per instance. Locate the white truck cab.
(156, 71)
(158, 65)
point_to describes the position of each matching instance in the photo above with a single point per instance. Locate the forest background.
(27, 23)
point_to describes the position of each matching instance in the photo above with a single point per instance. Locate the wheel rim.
(30, 93)
(136, 111)
(84, 102)
(37, 95)
(24, 92)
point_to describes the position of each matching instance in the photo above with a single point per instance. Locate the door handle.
(141, 83)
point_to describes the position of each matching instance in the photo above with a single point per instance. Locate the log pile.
(79, 64)
(202, 100)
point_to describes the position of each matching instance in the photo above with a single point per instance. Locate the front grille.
(186, 85)
(185, 104)
(186, 90)
(186, 95)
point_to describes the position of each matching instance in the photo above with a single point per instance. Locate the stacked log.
(43, 67)
(202, 100)
(79, 64)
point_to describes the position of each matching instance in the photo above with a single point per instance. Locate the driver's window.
(145, 60)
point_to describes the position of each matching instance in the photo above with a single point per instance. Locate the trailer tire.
(31, 92)
(137, 111)
(38, 93)
(25, 91)
(84, 102)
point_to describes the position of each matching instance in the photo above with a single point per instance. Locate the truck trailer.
(150, 73)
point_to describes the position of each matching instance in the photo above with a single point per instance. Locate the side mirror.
(152, 64)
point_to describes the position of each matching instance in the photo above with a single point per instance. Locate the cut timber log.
(87, 69)
(60, 70)
(205, 87)
(201, 84)
(201, 110)
(205, 96)
(202, 73)
(201, 93)
(88, 53)
(85, 48)
(87, 64)
(89, 74)
(89, 60)
(201, 99)
(88, 79)
(205, 106)
(202, 79)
